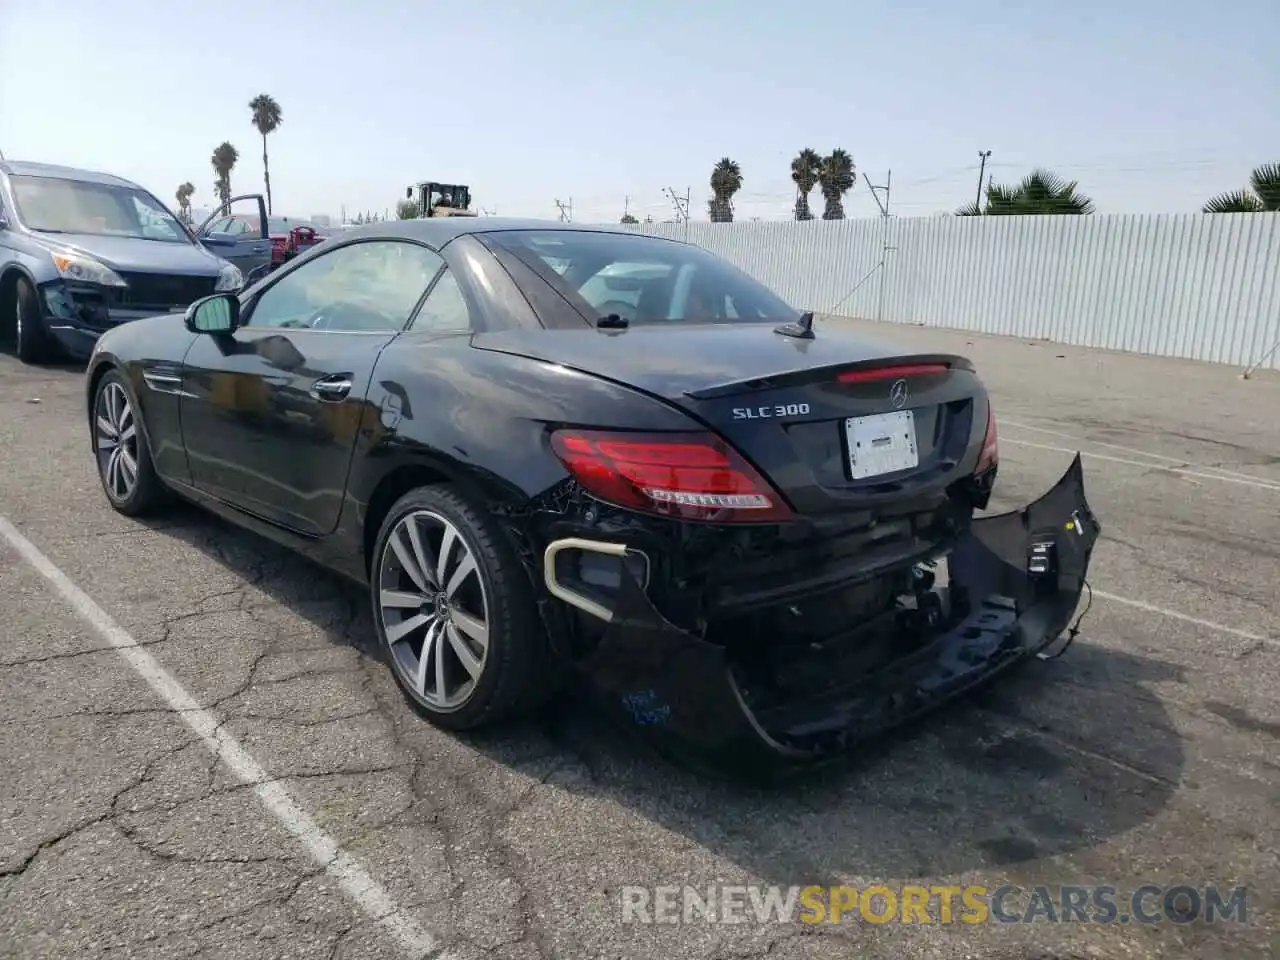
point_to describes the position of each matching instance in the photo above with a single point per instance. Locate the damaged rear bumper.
(1015, 581)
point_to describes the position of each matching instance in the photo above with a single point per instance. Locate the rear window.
(643, 279)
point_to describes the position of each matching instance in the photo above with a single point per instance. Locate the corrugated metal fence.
(1204, 287)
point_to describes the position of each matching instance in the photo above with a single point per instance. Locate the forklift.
(441, 199)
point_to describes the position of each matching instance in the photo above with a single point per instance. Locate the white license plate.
(882, 443)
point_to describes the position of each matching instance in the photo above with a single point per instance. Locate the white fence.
(1203, 287)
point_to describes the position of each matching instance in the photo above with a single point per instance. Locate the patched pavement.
(1147, 754)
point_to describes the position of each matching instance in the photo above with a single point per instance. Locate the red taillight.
(688, 476)
(891, 373)
(990, 455)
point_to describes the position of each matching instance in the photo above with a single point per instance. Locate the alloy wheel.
(17, 329)
(434, 609)
(117, 439)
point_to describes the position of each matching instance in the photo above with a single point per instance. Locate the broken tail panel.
(1015, 581)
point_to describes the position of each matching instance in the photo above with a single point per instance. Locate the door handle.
(331, 388)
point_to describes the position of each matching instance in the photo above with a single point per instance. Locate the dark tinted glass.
(641, 278)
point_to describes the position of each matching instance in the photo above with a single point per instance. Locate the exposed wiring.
(1073, 631)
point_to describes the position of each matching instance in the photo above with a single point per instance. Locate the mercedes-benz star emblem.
(898, 394)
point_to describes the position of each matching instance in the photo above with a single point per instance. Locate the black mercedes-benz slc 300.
(550, 450)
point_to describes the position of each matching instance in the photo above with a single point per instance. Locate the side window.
(369, 287)
(219, 226)
(445, 310)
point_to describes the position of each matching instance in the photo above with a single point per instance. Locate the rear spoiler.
(796, 378)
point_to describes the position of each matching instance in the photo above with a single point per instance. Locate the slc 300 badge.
(771, 411)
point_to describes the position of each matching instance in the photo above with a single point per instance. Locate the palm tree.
(804, 173)
(267, 118)
(836, 176)
(726, 180)
(183, 196)
(1039, 193)
(224, 160)
(1265, 198)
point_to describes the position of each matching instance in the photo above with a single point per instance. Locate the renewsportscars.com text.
(908, 903)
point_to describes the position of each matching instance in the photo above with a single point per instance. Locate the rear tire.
(120, 448)
(31, 340)
(471, 618)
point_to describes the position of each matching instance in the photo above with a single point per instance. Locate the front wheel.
(33, 343)
(120, 446)
(454, 612)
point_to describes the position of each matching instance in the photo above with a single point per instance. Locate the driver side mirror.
(218, 314)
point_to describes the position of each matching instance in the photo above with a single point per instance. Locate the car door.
(270, 413)
(224, 232)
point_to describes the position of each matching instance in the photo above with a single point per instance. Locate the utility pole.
(875, 195)
(982, 168)
(682, 206)
(884, 240)
(566, 210)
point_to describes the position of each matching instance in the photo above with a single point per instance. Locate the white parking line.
(350, 875)
(1175, 615)
(1123, 449)
(1180, 471)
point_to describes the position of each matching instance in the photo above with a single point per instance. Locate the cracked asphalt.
(1150, 753)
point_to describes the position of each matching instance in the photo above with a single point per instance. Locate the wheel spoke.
(420, 553)
(129, 465)
(108, 428)
(440, 692)
(474, 628)
(113, 401)
(113, 469)
(128, 432)
(446, 551)
(397, 632)
(399, 599)
(465, 569)
(430, 646)
(472, 664)
(410, 566)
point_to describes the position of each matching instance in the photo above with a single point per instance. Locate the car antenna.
(802, 329)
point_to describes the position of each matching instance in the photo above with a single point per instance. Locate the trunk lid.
(836, 423)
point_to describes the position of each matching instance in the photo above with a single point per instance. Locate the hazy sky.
(1152, 106)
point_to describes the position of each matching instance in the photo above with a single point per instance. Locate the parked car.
(81, 252)
(289, 237)
(542, 447)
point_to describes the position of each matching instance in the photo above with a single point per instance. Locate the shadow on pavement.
(1050, 759)
(9, 349)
